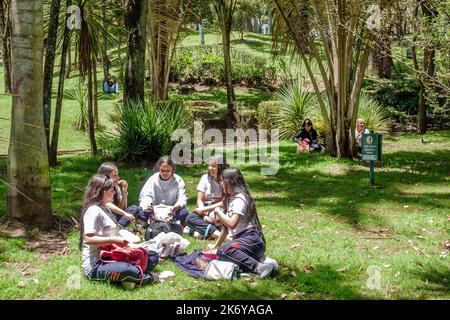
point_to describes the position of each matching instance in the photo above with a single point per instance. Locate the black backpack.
(157, 226)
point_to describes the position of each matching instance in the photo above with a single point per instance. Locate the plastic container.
(209, 254)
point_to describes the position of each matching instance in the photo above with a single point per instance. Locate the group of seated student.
(225, 209)
(110, 85)
(307, 137)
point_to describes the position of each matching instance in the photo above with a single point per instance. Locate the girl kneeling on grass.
(98, 229)
(248, 245)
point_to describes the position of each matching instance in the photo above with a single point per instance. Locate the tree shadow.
(324, 282)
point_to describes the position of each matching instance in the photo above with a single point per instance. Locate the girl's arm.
(201, 210)
(229, 222)
(221, 239)
(100, 241)
(111, 206)
(123, 185)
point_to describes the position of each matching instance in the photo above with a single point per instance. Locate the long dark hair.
(307, 121)
(93, 195)
(106, 168)
(234, 180)
(219, 160)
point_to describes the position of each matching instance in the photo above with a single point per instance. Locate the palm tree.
(5, 36)
(165, 20)
(136, 25)
(50, 53)
(225, 10)
(346, 35)
(89, 46)
(29, 194)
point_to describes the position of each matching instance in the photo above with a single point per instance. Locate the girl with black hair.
(307, 137)
(241, 219)
(165, 187)
(209, 197)
(98, 229)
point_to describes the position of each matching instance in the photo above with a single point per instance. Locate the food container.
(209, 254)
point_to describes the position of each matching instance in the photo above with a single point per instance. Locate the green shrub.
(143, 132)
(245, 118)
(296, 105)
(206, 65)
(374, 114)
(80, 95)
(266, 114)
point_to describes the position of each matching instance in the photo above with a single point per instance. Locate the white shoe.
(264, 270)
(197, 235)
(273, 262)
(186, 229)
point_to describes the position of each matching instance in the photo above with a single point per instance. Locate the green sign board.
(371, 147)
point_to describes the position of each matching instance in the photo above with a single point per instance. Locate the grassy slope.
(321, 206)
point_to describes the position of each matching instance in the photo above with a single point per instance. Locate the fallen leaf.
(397, 274)
(294, 246)
(21, 283)
(386, 265)
(341, 269)
(293, 274)
(36, 281)
(283, 296)
(405, 206)
(376, 248)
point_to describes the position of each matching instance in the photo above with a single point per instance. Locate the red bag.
(134, 256)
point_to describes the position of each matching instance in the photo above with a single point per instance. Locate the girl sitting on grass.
(98, 229)
(120, 200)
(241, 219)
(209, 197)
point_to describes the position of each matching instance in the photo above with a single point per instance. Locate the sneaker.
(264, 270)
(273, 262)
(128, 285)
(197, 235)
(187, 229)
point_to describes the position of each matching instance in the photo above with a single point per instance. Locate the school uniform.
(171, 192)
(213, 191)
(248, 245)
(99, 221)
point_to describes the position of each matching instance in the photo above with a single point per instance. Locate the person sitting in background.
(166, 188)
(359, 131)
(307, 138)
(110, 85)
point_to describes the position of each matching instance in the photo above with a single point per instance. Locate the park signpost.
(371, 151)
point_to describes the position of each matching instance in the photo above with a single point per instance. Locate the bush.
(143, 132)
(245, 118)
(79, 95)
(374, 114)
(266, 114)
(206, 65)
(296, 105)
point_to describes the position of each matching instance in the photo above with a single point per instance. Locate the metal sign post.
(371, 151)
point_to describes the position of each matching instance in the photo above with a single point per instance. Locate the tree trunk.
(105, 60)
(58, 108)
(135, 24)
(94, 91)
(228, 78)
(50, 53)
(5, 38)
(202, 33)
(29, 193)
(91, 113)
(429, 67)
(69, 58)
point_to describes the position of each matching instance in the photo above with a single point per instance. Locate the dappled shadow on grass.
(434, 279)
(342, 192)
(324, 282)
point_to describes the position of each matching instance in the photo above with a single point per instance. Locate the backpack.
(157, 226)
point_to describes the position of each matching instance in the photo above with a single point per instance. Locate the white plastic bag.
(221, 270)
(167, 244)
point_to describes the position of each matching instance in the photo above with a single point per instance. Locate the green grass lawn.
(322, 223)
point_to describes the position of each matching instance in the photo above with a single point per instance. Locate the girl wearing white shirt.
(209, 197)
(241, 219)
